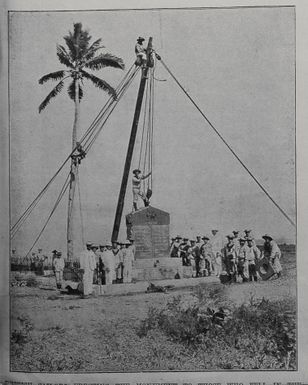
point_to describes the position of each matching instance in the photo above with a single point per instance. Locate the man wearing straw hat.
(136, 182)
(273, 253)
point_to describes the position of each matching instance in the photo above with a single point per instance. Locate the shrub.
(260, 334)
(21, 334)
(31, 281)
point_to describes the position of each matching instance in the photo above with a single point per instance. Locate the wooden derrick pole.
(131, 144)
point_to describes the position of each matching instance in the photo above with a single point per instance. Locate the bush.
(261, 334)
(187, 322)
(20, 279)
(21, 334)
(31, 281)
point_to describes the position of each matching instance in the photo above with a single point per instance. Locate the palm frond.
(71, 91)
(92, 49)
(52, 76)
(105, 60)
(100, 83)
(64, 57)
(51, 95)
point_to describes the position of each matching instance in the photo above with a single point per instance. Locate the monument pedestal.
(149, 227)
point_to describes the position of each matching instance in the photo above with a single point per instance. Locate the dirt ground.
(67, 333)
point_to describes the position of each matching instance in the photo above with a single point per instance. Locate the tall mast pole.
(131, 144)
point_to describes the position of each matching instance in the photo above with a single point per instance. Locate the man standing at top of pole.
(140, 52)
(136, 182)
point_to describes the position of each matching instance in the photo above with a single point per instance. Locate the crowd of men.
(36, 262)
(236, 256)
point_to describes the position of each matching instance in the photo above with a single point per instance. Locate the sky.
(239, 67)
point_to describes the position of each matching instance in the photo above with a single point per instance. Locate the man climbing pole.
(78, 154)
(136, 181)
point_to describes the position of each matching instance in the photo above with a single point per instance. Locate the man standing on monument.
(136, 182)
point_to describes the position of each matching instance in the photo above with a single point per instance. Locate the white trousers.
(59, 277)
(127, 272)
(109, 276)
(87, 282)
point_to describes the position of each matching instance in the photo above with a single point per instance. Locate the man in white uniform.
(58, 264)
(236, 240)
(87, 266)
(242, 261)
(121, 256)
(217, 246)
(128, 263)
(253, 256)
(109, 264)
(132, 246)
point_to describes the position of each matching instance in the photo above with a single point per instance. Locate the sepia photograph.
(152, 190)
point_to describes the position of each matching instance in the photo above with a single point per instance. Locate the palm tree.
(77, 57)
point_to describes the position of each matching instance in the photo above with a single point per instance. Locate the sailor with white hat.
(109, 263)
(87, 266)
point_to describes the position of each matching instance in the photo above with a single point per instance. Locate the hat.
(185, 239)
(94, 246)
(89, 243)
(178, 237)
(101, 245)
(249, 239)
(59, 253)
(109, 244)
(242, 239)
(215, 230)
(127, 242)
(235, 231)
(267, 236)
(54, 251)
(230, 236)
(136, 170)
(247, 231)
(192, 240)
(205, 237)
(140, 38)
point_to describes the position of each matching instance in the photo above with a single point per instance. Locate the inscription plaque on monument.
(149, 227)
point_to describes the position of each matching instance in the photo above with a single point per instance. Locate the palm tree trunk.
(73, 174)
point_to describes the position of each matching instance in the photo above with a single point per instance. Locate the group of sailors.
(106, 264)
(36, 262)
(236, 257)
